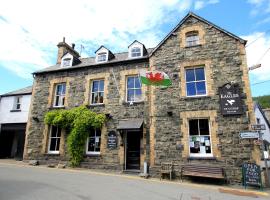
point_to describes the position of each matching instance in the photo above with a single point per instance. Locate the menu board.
(251, 174)
(112, 140)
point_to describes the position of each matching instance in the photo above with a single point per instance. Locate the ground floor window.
(54, 139)
(93, 142)
(199, 137)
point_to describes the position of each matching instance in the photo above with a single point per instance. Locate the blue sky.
(31, 30)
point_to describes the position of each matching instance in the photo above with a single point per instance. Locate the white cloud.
(202, 3)
(255, 52)
(260, 6)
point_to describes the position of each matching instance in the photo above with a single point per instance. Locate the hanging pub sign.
(112, 140)
(251, 175)
(230, 100)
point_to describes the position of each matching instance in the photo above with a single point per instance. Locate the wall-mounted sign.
(251, 174)
(112, 140)
(258, 127)
(230, 100)
(249, 135)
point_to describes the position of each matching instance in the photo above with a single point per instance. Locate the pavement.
(20, 181)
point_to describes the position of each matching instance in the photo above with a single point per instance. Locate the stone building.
(182, 123)
(14, 109)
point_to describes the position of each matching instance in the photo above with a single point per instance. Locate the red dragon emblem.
(155, 76)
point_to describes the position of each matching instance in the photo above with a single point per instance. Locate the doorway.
(132, 150)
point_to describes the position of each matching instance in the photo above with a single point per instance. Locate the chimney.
(63, 48)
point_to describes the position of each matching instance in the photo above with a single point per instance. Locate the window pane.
(101, 85)
(63, 89)
(204, 127)
(190, 75)
(130, 82)
(53, 144)
(100, 94)
(98, 132)
(91, 144)
(95, 86)
(138, 95)
(58, 89)
(130, 95)
(191, 90)
(53, 131)
(201, 88)
(137, 82)
(199, 74)
(57, 144)
(193, 127)
(18, 106)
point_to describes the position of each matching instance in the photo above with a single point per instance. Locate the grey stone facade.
(162, 139)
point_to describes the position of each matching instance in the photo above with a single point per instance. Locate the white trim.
(67, 56)
(197, 95)
(135, 76)
(49, 144)
(87, 141)
(60, 96)
(211, 146)
(91, 85)
(102, 51)
(135, 45)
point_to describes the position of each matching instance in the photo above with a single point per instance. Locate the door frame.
(125, 145)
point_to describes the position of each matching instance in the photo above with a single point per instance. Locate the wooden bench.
(203, 171)
(166, 168)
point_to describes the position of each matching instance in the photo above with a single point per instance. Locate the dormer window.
(67, 60)
(192, 38)
(136, 52)
(102, 57)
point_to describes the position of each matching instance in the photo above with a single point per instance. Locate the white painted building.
(14, 109)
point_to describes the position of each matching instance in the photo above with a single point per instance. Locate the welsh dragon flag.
(155, 78)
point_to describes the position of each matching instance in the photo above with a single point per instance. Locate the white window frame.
(65, 57)
(136, 76)
(136, 56)
(200, 155)
(50, 140)
(205, 81)
(192, 42)
(17, 101)
(61, 96)
(102, 54)
(92, 83)
(87, 144)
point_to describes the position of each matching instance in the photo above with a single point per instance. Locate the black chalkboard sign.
(230, 100)
(112, 140)
(251, 174)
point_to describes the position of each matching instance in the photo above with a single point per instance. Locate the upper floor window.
(66, 62)
(17, 103)
(136, 52)
(195, 82)
(93, 141)
(134, 91)
(60, 94)
(192, 38)
(54, 139)
(97, 92)
(102, 57)
(199, 137)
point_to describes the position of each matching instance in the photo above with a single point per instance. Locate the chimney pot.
(73, 45)
(64, 39)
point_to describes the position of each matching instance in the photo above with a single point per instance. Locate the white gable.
(135, 45)
(102, 50)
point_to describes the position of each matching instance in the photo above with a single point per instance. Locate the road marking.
(153, 180)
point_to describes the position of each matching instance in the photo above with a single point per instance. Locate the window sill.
(134, 103)
(19, 110)
(96, 105)
(56, 107)
(197, 45)
(196, 97)
(52, 154)
(92, 155)
(202, 158)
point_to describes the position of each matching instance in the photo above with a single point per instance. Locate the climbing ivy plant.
(77, 121)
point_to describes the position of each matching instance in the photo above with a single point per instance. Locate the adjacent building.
(14, 109)
(196, 120)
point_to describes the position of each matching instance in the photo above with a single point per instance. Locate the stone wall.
(78, 84)
(223, 59)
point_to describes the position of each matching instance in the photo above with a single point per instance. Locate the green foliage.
(78, 120)
(264, 101)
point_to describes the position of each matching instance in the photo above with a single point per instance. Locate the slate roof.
(22, 91)
(85, 62)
